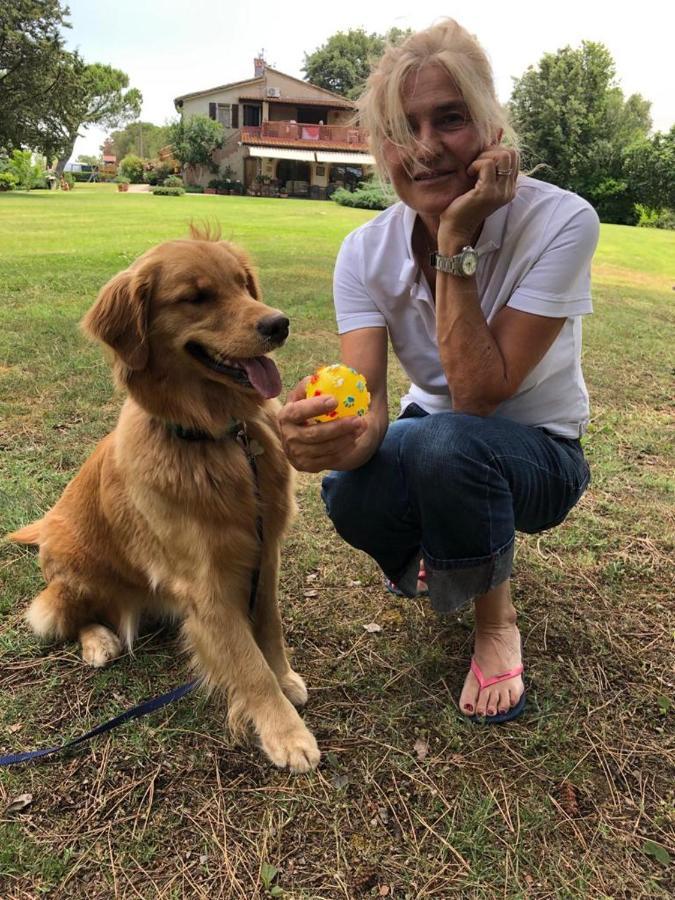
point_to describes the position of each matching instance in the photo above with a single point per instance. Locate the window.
(251, 115)
(224, 115)
(348, 177)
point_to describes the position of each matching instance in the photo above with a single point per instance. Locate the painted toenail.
(501, 712)
(491, 712)
(468, 706)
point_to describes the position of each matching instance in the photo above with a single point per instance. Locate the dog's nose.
(274, 328)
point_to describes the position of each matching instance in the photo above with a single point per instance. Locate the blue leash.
(142, 709)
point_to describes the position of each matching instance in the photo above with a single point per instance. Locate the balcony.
(294, 133)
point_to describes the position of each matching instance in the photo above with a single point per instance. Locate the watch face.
(469, 262)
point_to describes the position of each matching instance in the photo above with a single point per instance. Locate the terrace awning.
(282, 153)
(320, 156)
(344, 159)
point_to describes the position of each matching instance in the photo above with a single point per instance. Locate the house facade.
(282, 135)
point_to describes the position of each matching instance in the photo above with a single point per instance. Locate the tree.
(571, 115)
(89, 160)
(194, 141)
(31, 53)
(48, 93)
(343, 63)
(650, 169)
(142, 138)
(94, 94)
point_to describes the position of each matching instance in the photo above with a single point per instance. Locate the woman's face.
(447, 142)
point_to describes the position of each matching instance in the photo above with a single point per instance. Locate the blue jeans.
(454, 489)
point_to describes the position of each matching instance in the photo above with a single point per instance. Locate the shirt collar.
(490, 239)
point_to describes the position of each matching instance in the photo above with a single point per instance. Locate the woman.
(479, 277)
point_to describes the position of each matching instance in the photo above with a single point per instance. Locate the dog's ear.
(252, 283)
(119, 318)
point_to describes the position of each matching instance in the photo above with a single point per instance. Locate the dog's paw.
(99, 645)
(294, 688)
(294, 748)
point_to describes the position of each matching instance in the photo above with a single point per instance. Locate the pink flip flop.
(397, 592)
(484, 682)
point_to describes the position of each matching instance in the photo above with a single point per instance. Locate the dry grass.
(573, 800)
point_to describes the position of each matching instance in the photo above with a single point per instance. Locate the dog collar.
(195, 434)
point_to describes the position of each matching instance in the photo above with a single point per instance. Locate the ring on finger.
(504, 172)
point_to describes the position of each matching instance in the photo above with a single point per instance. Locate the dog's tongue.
(263, 375)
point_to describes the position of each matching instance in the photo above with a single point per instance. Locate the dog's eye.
(199, 297)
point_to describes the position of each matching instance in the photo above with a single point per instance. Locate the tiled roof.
(303, 101)
(331, 98)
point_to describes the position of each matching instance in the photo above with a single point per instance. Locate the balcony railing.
(297, 131)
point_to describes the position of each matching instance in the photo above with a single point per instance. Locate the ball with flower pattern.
(346, 385)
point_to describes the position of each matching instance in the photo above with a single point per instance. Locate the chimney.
(259, 67)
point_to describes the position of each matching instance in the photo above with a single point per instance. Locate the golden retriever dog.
(162, 517)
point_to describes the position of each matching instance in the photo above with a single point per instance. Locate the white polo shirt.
(534, 255)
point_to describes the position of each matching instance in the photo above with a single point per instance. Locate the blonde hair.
(447, 44)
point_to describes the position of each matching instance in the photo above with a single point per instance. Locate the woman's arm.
(484, 364)
(345, 443)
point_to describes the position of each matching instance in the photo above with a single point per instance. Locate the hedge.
(162, 191)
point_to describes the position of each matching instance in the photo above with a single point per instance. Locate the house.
(282, 135)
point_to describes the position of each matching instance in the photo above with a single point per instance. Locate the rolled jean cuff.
(455, 583)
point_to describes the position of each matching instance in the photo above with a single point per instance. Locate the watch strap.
(447, 264)
(452, 265)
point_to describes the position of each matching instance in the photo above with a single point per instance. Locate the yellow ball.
(346, 385)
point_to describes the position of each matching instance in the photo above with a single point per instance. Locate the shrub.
(7, 181)
(614, 202)
(159, 171)
(173, 181)
(650, 218)
(163, 191)
(369, 196)
(25, 172)
(194, 188)
(224, 184)
(132, 168)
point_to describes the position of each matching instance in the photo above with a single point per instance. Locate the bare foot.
(496, 650)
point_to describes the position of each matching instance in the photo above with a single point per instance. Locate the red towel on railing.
(310, 132)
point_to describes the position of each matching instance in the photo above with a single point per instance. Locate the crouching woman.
(479, 276)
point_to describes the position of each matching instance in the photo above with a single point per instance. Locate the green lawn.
(574, 800)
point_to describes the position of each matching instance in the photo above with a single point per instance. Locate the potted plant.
(122, 185)
(212, 186)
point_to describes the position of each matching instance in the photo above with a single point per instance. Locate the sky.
(174, 47)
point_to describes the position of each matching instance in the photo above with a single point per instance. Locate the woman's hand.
(313, 447)
(465, 215)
